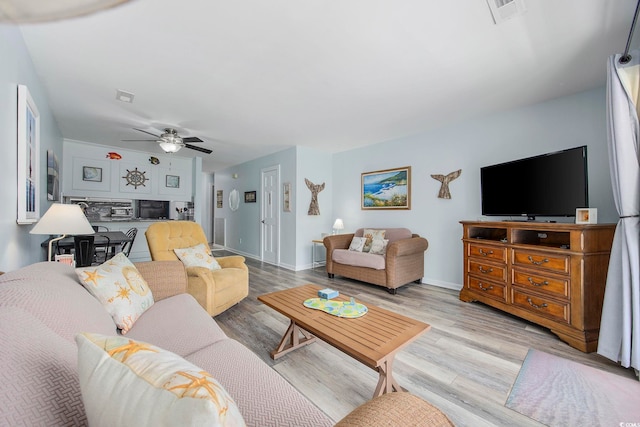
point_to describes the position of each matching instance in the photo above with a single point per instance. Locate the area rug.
(560, 392)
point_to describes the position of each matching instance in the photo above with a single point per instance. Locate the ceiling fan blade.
(145, 140)
(195, 147)
(149, 133)
(192, 139)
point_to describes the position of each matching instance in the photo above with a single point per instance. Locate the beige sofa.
(403, 262)
(44, 306)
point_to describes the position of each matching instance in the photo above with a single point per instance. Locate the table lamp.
(62, 219)
(338, 225)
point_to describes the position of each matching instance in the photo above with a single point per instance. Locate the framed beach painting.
(386, 189)
(28, 158)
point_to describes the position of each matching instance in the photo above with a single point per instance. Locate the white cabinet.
(96, 171)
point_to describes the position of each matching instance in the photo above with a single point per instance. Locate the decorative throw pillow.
(357, 243)
(379, 246)
(120, 288)
(132, 383)
(197, 256)
(371, 235)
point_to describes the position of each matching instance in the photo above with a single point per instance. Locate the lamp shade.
(338, 225)
(63, 219)
(29, 11)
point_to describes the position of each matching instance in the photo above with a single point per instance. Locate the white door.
(270, 220)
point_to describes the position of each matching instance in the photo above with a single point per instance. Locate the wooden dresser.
(552, 274)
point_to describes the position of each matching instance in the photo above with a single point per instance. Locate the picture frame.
(286, 197)
(586, 216)
(219, 196)
(250, 197)
(28, 158)
(91, 173)
(53, 177)
(386, 189)
(172, 181)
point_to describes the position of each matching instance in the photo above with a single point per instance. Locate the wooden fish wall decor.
(445, 180)
(314, 208)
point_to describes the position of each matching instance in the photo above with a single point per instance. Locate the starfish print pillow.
(133, 383)
(120, 288)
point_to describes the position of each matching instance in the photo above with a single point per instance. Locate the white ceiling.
(252, 77)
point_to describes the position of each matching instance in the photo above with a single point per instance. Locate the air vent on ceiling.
(503, 10)
(124, 96)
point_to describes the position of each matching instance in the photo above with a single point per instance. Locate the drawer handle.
(483, 253)
(482, 288)
(544, 305)
(534, 283)
(537, 262)
(482, 270)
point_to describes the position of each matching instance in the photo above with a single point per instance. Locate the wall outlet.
(240, 240)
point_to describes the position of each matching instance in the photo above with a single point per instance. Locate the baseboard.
(442, 284)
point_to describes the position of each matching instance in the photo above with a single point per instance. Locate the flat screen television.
(552, 185)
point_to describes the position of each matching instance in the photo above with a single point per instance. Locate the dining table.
(115, 240)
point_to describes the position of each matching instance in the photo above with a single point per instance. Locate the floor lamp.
(62, 219)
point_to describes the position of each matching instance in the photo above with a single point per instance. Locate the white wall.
(19, 247)
(554, 125)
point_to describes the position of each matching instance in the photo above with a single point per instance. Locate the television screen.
(552, 184)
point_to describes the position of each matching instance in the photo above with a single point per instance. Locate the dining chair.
(84, 250)
(102, 250)
(126, 246)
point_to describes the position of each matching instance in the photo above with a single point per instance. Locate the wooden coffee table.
(373, 339)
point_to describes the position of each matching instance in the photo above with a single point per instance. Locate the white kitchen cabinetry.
(106, 176)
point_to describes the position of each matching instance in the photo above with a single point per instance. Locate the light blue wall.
(554, 125)
(243, 225)
(316, 166)
(19, 247)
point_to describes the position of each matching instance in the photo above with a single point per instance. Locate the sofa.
(44, 308)
(215, 290)
(402, 262)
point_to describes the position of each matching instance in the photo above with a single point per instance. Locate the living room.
(536, 124)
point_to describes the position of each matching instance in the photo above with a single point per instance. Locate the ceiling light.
(30, 11)
(123, 96)
(169, 146)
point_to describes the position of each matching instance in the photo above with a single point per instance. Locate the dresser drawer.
(552, 262)
(541, 283)
(492, 289)
(542, 306)
(487, 252)
(488, 270)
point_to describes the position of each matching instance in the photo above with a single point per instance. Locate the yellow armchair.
(215, 290)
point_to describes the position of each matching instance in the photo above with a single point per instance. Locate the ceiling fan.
(171, 142)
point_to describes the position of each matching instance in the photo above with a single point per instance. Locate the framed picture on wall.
(386, 189)
(219, 196)
(173, 181)
(91, 173)
(249, 196)
(53, 176)
(286, 197)
(28, 158)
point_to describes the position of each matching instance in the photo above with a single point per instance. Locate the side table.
(314, 243)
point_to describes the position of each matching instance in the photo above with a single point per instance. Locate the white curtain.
(620, 325)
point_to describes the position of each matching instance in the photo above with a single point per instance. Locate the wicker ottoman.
(396, 409)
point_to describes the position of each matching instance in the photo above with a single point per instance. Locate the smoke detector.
(503, 10)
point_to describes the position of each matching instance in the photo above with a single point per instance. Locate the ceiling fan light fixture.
(32, 11)
(169, 146)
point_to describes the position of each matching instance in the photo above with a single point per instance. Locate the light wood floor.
(466, 364)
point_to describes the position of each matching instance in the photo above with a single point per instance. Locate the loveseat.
(401, 262)
(44, 308)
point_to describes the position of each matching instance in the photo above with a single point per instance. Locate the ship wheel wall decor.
(135, 178)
